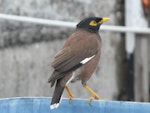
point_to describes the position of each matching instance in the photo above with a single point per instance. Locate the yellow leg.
(70, 96)
(96, 96)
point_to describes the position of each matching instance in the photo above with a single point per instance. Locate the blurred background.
(27, 49)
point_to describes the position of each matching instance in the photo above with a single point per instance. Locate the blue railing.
(41, 105)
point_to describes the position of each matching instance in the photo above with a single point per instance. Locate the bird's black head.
(91, 24)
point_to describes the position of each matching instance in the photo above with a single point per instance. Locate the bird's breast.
(89, 68)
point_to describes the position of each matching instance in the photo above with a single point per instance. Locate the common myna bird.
(78, 58)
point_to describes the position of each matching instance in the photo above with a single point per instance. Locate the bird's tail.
(57, 95)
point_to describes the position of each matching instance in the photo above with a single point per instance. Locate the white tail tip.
(53, 106)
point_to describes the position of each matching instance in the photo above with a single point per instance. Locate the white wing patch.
(87, 59)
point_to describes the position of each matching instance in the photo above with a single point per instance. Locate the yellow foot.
(90, 100)
(93, 98)
(70, 98)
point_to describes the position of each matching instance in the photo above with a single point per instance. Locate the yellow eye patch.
(93, 23)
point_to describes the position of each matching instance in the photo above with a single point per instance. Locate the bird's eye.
(93, 23)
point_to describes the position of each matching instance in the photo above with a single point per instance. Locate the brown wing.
(79, 46)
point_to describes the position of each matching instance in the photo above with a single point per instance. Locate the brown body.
(80, 45)
(82, 73)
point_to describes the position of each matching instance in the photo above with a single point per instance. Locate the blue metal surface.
(41, 105)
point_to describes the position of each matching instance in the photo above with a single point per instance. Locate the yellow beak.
(104, 20)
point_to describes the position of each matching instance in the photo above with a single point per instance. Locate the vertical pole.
(130, 77)
(139, 63)
(141, 69)
(130, 46)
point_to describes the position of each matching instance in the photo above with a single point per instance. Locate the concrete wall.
(26, 50)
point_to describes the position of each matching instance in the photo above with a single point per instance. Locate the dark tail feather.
(57, 95)
(53, 78)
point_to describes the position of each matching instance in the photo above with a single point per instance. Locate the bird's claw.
(93, 98)
(70, 98)
(90, 100)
